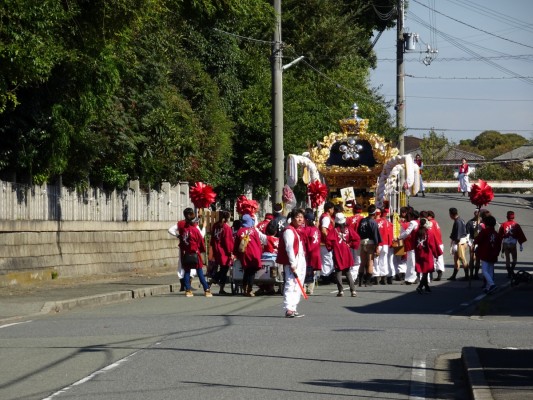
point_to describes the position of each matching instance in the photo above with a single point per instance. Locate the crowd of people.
(361, 248)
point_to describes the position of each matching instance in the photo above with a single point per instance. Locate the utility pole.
(278, 175)
(400, 76)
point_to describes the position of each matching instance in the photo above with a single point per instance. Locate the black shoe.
(423, 194)
(419, 290)
(389, 280)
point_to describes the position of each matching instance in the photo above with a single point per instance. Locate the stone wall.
(44, 250)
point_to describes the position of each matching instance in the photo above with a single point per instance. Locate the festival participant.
(382, 269)
(270, 244)
(325, 224)
(191, 246)
(426, 250)
(291, 254)
(312, 251)
(279, 222)
(222, 243)
(370, 238)
(458, 244)
(512, 233)
(464, 183)
(247, 249)
(472, 230)
(420, 163)
(390, 258)
(261, 226)
(340, 239)
(437, 232)
(489, 243)
(407, 229)
(400, 261)
(353, 221)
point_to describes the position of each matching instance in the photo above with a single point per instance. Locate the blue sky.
(452, 93)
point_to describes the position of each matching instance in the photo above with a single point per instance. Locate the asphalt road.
(387, 343)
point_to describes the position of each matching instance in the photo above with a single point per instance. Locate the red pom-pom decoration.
(481, 194)
(202, 195)
(246, 206)
(318, 192)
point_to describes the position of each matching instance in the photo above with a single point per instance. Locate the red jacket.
(222, 243)
(340, 241)
(191, 240)
(489, 244)
(426, 250)
(435, 228)
(354, 221)
(271, 245)
(261, 226)
(251, 258)
(283, 257)
(512, 229)
(311, 238)
(384, 227)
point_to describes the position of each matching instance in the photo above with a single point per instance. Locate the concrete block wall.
(44, 250)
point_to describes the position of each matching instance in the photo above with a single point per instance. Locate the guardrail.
(493, 184)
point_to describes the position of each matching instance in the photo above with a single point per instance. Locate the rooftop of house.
(521, 153)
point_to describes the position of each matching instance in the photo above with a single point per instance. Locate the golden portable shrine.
(351, 161)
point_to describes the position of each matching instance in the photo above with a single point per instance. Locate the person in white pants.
(410, 273)
(291, 254)
(325, 225)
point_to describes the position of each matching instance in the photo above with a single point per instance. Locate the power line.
(505, 57)
(466, 77)
(456, 43)
(463, 98)
(496, 15)
(468, 130)
(243, 37)
(473, 27)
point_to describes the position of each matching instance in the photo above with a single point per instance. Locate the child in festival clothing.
(340, 240)
(249, 253)
(311, 237)
(222, 243)
(426, 250)
(488, 243)
(511, 233)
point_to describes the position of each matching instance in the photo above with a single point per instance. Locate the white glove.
(521, 247)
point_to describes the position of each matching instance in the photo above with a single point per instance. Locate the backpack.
(244, 242)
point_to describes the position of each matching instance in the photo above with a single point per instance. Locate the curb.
(475, 374)
(108, 298)
(62, 305)
(50, 307)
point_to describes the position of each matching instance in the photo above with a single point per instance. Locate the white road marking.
(13, 324)
(91, 376)
(418, 378)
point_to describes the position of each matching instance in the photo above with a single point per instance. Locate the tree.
(434, 149)
(101, 92)
(491, 144)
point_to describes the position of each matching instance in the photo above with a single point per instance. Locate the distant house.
(523, 154)
(453, 155)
